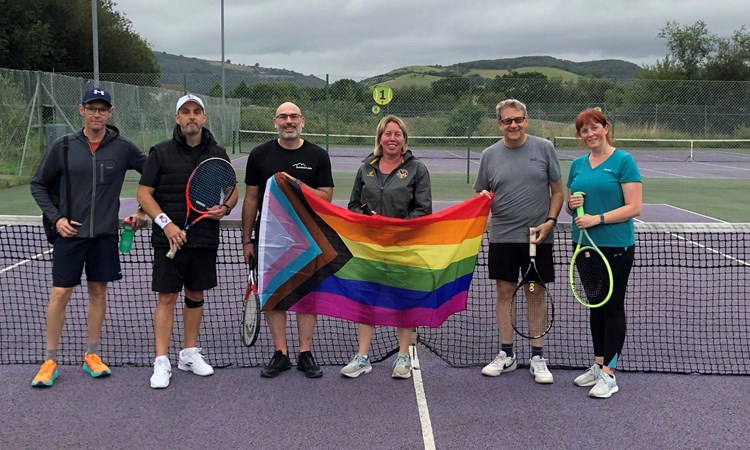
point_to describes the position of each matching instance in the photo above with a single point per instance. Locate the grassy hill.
(201, 75)
(489, 69)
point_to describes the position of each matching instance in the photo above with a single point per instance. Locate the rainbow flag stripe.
(316, 257)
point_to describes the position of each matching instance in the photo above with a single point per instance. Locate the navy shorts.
(508, 261)
(99, 256)
(193, 268)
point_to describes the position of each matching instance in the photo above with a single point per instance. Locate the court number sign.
(382, 94)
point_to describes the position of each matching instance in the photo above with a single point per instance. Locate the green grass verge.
(722, 199)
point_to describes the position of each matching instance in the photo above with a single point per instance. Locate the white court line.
(693, 212)
(696, 244)
(721, 166)
(712, 250)
(676, 175)
(18, 264)
(424, 413)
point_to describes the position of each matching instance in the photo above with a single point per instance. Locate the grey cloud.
(356, 39)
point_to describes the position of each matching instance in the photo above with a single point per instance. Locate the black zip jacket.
(96, 180)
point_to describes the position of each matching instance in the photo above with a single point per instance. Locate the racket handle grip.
(579, 210)
(532, 247)
(172, 251)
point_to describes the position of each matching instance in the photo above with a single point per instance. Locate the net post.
(690, 158)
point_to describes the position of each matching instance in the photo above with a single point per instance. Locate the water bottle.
(126, 238)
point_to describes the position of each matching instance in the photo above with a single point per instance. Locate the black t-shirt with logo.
(308, 163)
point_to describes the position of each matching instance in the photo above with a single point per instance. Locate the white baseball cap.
(189, 98)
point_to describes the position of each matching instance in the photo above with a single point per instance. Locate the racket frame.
(533, 284)
(250, 325)
(588, 248)
(189, 205)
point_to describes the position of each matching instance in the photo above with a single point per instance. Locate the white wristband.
(162, 220)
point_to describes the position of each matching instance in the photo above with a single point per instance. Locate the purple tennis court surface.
(451, 409)
(443, 407)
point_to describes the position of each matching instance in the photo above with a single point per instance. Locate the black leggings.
(608, 323)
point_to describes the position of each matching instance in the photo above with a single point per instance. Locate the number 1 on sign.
(382, 94)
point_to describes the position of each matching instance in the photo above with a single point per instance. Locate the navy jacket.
(96, 180)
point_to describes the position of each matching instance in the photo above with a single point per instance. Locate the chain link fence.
(38, 107)
(450, 119)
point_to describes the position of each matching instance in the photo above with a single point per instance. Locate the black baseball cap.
(97, 94)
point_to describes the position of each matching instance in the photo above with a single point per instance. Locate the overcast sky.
(357, 39)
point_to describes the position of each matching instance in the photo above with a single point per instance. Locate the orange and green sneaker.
(94, 366)
(46, 375)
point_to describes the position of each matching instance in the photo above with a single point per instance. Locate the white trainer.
(162, 373)
(359, 365)
(501, 363)
(605, 386)
(589, 377)
(538, 368)
(191, 360)
(402, 366)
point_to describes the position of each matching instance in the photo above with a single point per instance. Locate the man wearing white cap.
(162, 194)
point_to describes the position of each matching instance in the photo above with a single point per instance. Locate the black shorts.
(508, 261)
(193, 268)
(99, 255)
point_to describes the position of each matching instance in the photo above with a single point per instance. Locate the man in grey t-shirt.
(523, 173)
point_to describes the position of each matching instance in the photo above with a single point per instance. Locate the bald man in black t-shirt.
(309, 164)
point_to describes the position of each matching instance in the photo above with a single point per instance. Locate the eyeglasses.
(289, 116)
(518, 120)
(90, 110)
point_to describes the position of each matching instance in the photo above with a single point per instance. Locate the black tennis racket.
(590, 273)
(208, 188)
(250, 326)
(532, 309)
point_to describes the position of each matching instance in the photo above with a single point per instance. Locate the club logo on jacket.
(402, 173)
(371, 173)
(301, 166)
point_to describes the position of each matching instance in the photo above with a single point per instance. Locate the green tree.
(215, 91)
(697, 54)
(732, 60)
(454, 87)
(349, 90)
(26, 41)
(464, 119)
(529, 87)
(52, 35)
(690, 46)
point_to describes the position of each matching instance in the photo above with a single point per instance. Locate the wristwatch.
(601, 219)
(229, 210)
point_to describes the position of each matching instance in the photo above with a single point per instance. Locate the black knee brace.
(190, 303)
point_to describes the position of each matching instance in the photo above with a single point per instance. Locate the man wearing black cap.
(85, 217)
(162, 194)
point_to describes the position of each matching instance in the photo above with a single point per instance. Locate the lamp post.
(223, 84)
(95, 40)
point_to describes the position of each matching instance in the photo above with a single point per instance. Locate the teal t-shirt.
(602, 186)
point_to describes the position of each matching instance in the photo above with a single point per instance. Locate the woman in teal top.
(612, 196)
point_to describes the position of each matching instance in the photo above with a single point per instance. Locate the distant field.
(412, 79)
(489, 73)
(417, 75)
(550, 72)
(422, 69)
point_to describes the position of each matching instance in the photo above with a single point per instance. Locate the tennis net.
(360, 145)
(669, 150)
(687, 307)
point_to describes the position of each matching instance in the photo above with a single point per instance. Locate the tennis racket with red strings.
(208, 188)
